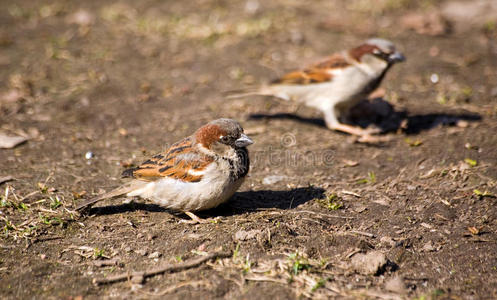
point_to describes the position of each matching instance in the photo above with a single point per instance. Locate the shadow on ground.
(248, 201)
(240, 203)
(379, 113)
(128, 207)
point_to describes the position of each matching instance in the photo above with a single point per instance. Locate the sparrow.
(197, 173)
(337, 83)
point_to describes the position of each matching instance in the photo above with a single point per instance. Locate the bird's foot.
(372, 130)
(373, 139)
(355, 130)
(197, 220)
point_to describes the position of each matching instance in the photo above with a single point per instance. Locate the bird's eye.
(225, 139)
(376, 51)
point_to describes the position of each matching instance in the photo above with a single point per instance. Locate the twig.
(107, 262)
(362, 233)
(175, 287)
(48, 238)
(313, 221)
(350, 193)
(354, 252)
(265, 278)
(5, 179)
(139, 276)
(320, 214)
(29, 195)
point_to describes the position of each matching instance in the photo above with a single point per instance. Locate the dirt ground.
(98, 86)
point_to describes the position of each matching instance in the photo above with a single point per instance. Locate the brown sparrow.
(338, 83)
(196, 173)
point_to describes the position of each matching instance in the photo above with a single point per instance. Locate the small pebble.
(155, 254)
(434, 78)
(89, 155)
(370, 263)
(396, 285)
(142, 252)
(243, 235)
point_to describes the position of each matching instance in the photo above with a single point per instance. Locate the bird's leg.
(355, 130)
(332, 123)
(194, 219)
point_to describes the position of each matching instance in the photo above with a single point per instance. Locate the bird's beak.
(243, 141)
(396, 57)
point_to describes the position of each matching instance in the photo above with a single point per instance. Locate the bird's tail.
(256, 91)
(124, 189)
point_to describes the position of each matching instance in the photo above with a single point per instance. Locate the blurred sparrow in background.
(336, 84)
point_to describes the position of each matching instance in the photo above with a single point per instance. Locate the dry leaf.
(5, 179)
(350, 163)
(474, 230)
(7, 142)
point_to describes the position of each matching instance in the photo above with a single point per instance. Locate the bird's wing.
(182, 161)
(317, 73)
(335, 61)
(304, 77)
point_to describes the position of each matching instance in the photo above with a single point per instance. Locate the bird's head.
(221, 136)
(377, 50)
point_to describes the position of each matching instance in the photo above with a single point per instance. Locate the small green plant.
(43, 188)
(44, 219)
(371, 179)
(483, 194)
(334, 206)
(8, 226)
(467, 92)
(318, 284)
(490, 27)
(22, 206)
(55, 202)
(29, 230)
(362, 181)
(437, 293)
(471, 162)
(110, 270)
(51, 220)
(413, 143)
(323, 262)
(298, 263)
(98, 253)
(5, 203)
(247, 265)
(331, 202)
(236, 253)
